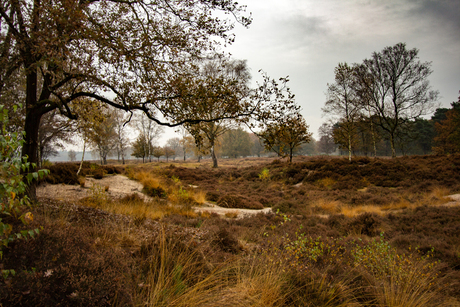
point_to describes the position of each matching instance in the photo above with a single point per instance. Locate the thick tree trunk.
(32, 123)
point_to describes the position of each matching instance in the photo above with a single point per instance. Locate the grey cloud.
(445, 11)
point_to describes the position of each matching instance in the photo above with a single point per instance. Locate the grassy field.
(373, 232)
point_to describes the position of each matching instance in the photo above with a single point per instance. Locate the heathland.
(370, 232)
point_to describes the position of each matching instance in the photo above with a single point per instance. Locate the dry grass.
(405, 200)
(412, 286)
(232, 215)
(349, 211)
(135, 206)
(327, 206)
(179, 277)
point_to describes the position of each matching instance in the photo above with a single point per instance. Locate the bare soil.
(120, 186)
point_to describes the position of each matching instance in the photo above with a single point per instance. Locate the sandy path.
(120, 186)
(239, 213)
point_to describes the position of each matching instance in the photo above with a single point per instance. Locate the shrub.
(12, 187)
(366, 224)
(264, 174)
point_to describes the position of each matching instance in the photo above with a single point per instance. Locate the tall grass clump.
(179, 275)
(396, 279)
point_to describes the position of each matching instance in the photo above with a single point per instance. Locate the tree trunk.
(349, 147)
(214, 158)
(392, 143)
(31, 126)
(82, 158)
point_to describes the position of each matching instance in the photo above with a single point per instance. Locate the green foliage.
(381, 259)
(236, 143)
(12, 186)
(264, 174)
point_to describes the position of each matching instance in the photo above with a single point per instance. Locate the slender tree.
(150, 130)
(326, 142)
(342, 104)
(141, 147)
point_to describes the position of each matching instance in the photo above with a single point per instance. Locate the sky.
(306, 39)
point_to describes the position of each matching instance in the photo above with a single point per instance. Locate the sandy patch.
(120, 186)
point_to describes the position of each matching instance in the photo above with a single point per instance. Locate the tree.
(235, 143)
(133, 56)
(286, 135)
(221, 104)
(103, 137)
(141, 147)
(158, 152)
(326, 142)
(169, 152)
(54, 131)
(257, 145)
(175, 145)
(342, 104)
(72, 155)
(187, 144)
(448, 131)
(397, 85)
(120, 120)
(150, 130)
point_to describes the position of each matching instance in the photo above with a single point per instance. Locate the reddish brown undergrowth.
(307, 253)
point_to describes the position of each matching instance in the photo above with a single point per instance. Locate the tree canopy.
(132, 55)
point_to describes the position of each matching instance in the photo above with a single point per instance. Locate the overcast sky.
(306, 39)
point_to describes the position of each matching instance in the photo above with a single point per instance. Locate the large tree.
(132, 55)
(396, 83)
